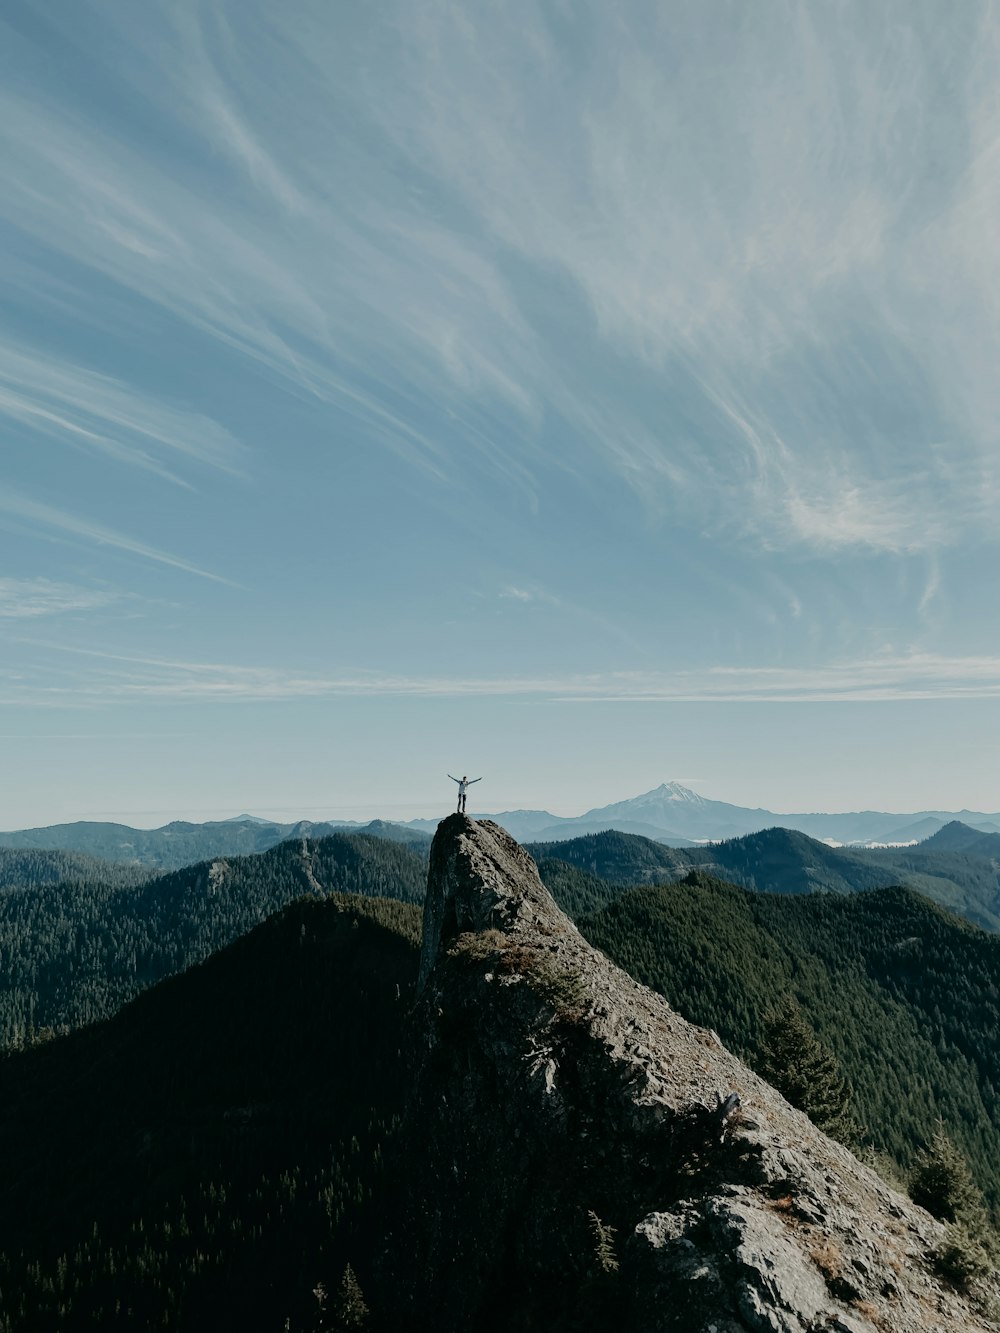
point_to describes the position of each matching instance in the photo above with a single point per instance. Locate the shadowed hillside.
(74, 953)
(206, 1157)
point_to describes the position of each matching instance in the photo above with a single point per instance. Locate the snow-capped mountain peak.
(674, 791)
(668, 796)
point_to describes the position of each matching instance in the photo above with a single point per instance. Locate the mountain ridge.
(873, 973)
(781, 860)
(74, 953)
(180, 843)
(218, 1118)
(531, 1046)
(670, 813)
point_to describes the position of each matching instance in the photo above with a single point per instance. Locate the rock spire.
(574, 1160)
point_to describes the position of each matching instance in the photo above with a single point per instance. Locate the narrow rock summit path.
(567, 1166)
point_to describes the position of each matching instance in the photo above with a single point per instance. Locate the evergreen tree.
(352, 1310)
(604, 1244)
(804, 1071)
(941, 1181)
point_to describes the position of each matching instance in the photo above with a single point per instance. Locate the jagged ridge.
(550, 1089)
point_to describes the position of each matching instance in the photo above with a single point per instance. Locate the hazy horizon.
(406, 811)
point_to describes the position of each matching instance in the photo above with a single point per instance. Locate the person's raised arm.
(455, 779)
(472, 780)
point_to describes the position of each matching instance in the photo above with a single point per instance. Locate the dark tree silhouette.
(804, 1071)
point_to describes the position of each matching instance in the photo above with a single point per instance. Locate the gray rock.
(550, 1090)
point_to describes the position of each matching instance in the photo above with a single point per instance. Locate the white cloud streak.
(29, 599)
(913, 677)
(348, 310)
(57, 523)
(100, 414)
(749, 213)
(744, 263)
(531, 595)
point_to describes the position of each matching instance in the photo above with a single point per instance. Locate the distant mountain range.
(959, 868)
(671, 814)
(676, 815)
(180, 844)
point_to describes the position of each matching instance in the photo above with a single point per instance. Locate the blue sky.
(584, 395)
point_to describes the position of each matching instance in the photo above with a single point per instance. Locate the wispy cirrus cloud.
(528, 594)
(58, 524)
(747, 209)
(738, 265)
(29, 599)
(96, 412)
(375, 313)
(908, 677)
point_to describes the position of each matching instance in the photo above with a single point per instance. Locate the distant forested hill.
(75, 952)
(619, 858)
(30, 868)
(965, 882)
(959, 837)
(574, 889)
(181, 844)
(777, 860)
(903, 992)
(207, 1157)
(167, 848)
(781, 860)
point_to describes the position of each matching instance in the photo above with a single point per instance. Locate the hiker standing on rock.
(464, 784)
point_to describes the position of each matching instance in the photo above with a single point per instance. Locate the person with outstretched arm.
(464, 784)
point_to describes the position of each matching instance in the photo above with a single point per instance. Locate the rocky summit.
(578, 1156)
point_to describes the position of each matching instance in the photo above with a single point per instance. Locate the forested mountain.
(168, 848)
(904, 993)
(220, 1146)
(574, 889)
(29, 869)
(624, 860)
(966, 883)
(779, 860)
(206, 1158)
(181, 844)
(782, 860)
(75, 952)
(415, 839)
(959, 837)
(619, 858)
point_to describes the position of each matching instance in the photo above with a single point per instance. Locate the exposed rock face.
(555, 1098)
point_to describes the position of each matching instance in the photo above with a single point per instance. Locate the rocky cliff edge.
(574, 1160)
